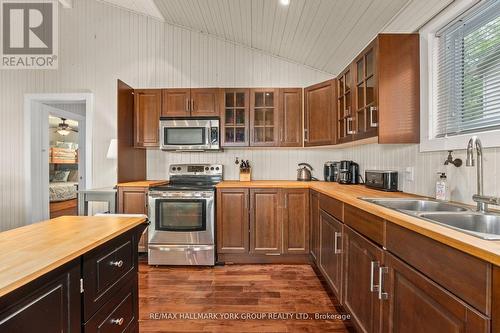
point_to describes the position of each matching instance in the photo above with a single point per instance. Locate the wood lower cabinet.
(147, 110)
(319, 114)
(416, 304)
(314, 222)
(134, 200)
(330, 251)
(290, 122)
(265, 221)
(295, 214)
(232, 221)
(362, 260)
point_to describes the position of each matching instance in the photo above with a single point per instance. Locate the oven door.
(181, 217)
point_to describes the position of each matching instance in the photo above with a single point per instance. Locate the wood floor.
(165, 292)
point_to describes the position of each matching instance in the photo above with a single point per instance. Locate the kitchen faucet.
(481, 199)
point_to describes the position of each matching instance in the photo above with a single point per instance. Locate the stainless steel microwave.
(189, 134)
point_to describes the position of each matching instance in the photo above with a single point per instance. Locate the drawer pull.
(117, 263)
(118, 322)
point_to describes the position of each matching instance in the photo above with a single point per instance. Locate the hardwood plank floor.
(236, 290)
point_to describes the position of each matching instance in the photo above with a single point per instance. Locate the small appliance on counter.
(304, 173)
(348, 172)
(331, 171)
(385, 180)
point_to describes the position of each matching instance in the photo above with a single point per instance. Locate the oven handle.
(196, 248)
(177, 197)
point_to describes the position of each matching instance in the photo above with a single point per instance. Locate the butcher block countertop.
(484, 249)
(31, 251)
(143, 183)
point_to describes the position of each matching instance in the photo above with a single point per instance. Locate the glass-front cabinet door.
(235, 120)
(345, 119)
(366, 95)
(264, 117)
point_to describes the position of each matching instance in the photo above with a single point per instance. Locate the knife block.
(245, 175)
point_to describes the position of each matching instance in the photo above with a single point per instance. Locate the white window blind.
(468, 73)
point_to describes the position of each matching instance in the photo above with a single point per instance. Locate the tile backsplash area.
(282, 164)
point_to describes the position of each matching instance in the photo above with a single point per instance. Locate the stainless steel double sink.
(455, 216)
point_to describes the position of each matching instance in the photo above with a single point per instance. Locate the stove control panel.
(195, 169)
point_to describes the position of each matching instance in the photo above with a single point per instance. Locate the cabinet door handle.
(192, 105)
(281, 134)
(118, 263)
(381, 294)
(306, 135)
(118, 322)
(273, 254)
(373, 123)
(349, 126)
(336, 245)
(187, 104)
(373, 287)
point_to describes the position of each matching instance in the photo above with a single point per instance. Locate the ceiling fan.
(64, 129)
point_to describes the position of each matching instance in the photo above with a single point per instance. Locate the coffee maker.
(348, 173)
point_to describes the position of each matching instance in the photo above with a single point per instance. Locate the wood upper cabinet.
(330, 251)
(147, 110)
(232, 221)
(235, 122)
(205, 102)
(265, 221)
(365, 93)
(385, 90)
(319, 114)
(410, 293)
(290, 131)
(264, 117)
(345, 116)
(176, 103)
(362, 260)
(295, 221)
(314, 221)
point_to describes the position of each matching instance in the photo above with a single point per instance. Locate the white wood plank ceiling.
(317, 33)
(322, 34)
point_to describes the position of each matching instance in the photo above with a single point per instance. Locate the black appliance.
(331, 171)
(385, 180)
(348, 172)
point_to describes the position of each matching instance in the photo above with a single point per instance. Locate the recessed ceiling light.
(285, 2)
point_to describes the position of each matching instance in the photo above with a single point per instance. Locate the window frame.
(428, 86)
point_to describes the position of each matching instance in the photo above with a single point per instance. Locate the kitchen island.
(70, 274)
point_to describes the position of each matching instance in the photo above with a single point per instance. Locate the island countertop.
(29, 252)
(487, 250)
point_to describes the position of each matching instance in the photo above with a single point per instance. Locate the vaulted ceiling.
(323, 34)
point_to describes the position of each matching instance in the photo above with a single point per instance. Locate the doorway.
(59, 153)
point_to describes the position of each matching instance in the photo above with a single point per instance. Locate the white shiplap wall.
(100, 43)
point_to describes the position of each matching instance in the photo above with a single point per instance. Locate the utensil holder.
(245, 175)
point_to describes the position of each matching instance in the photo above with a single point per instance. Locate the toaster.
(385, 180)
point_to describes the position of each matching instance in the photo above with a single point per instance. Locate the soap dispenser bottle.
(442, 189)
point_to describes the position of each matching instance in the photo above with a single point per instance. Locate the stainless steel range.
(182, 216)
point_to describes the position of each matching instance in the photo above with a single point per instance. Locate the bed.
(63, 193)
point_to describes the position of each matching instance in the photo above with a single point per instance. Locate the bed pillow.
(60, 176)
(73, 176)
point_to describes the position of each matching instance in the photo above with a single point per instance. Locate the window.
(467, 60)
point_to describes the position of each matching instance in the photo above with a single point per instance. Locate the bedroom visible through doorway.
(64, 145)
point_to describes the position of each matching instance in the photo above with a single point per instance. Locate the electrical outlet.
(410, 174)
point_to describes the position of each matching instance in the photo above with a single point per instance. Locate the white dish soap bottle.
(442, 188)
